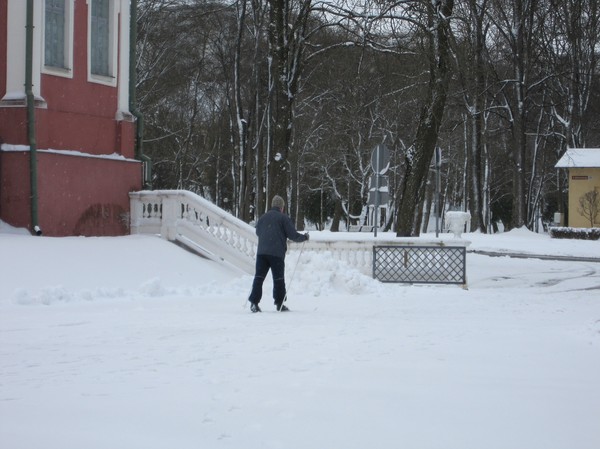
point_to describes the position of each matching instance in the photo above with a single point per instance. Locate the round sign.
(380, 159)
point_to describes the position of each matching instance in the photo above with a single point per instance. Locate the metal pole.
(294, 272)
(376, 213)
(437, 201)
(438, 163)
(133, 106)
(31, 136)
(322, 227)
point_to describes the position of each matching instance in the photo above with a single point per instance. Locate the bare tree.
(516, 28)
(570, 38)
(287, 28)
(589, 206)
(250, 98)
(173, 85)
(418, 157)
(471, 63)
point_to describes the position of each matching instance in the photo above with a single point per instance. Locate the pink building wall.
(77, 194)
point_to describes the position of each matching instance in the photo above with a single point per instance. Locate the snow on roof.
(580, 158)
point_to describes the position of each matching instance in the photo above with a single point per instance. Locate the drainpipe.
(31, 118)
(139, 130)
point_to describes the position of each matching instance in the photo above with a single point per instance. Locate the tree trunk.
(245, 160)
(418, 158)
(519, 149)
(337, 215)
(287, 28)
(478, 130)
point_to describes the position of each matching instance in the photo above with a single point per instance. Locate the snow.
(132, 342)
(580, 158)
(20, 148)
(6, 147)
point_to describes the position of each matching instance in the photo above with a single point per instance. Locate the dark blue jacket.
(273, 230)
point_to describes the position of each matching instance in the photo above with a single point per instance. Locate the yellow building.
(584, 186)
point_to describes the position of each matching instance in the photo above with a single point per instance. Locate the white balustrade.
(188, 219)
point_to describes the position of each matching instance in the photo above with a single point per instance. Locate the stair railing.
(197, 224)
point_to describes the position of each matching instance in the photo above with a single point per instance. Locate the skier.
(273, 230)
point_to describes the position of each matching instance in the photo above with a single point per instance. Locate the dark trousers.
(277, 267)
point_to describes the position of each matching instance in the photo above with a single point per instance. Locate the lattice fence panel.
(420, 264)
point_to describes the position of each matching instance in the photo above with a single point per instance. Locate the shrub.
(574, 233)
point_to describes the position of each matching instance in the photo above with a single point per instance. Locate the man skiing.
(273, 230)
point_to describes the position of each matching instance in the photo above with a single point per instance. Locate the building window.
(55, 33)
(103, 41)
(100, 33)
(58, 36)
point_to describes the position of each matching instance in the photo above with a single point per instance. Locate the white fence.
(196, 223)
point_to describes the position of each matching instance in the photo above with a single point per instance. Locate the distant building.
(583, 165)
(69, 174)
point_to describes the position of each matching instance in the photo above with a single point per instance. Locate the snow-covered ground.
(133, 343)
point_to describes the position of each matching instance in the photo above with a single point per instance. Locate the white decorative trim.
(15, 47)
(123, 82)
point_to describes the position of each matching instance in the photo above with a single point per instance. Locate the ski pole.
(294, 272)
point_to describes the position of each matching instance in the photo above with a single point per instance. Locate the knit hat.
(278, 202)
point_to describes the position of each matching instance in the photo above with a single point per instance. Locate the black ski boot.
(254, 307)
(282, 308)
